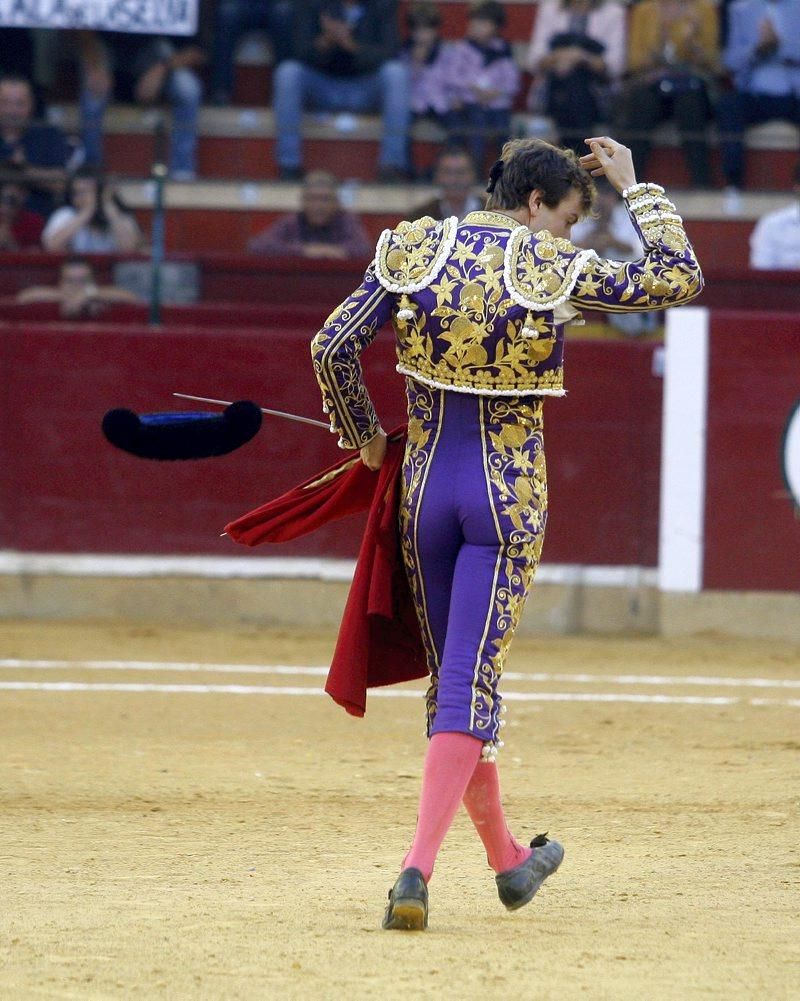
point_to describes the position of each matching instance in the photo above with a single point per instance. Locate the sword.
(264, 410)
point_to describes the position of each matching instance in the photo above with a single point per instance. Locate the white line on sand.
(288, 669)
(81, 686)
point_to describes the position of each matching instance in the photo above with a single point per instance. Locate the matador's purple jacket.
(479, 306)
(478, 309)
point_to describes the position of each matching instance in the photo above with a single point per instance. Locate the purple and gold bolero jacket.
(480, 306)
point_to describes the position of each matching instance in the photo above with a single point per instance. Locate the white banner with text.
(151, 17)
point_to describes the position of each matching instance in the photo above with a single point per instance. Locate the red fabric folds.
(379, 641)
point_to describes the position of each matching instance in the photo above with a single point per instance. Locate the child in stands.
(484, 80)
(427, 57)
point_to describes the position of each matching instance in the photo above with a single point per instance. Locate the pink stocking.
(482, 802)
(449, 765)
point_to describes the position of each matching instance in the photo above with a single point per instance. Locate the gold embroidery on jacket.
(543, 268)
(423, 437)
(472, 305)
(408, 256)
(516, 480)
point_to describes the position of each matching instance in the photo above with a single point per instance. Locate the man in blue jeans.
(232, 18)
(346, 60)
(763, 53)
(142, 69)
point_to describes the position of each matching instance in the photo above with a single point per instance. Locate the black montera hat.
(178, 435)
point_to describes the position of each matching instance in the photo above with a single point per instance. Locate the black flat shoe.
(407, 909)
(518, 886)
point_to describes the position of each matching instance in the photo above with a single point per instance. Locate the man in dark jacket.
(345, 62)
(39, 154)
(321, 228)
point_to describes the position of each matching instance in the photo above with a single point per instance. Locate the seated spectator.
(483, 80)
(145, 70)
(20, 229)
(94, 220)
(320, 229)
(673, 56)
(456, 179)
(42, 152)
(426, 55)
(346, 61)
(763, 54)
(775, 241)
(609, 229)
(77, 293)
(576, 56)
(232, 19)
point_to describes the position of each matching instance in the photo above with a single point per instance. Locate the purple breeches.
(472, 524)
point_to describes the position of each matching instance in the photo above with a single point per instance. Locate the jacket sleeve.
(335, 352)
(667, 275)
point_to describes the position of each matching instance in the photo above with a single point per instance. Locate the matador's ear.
(181, 435)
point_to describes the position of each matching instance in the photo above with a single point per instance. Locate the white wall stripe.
(683, 452)
(275, 568)
(277, 690)
(11, 663)
(157, 665)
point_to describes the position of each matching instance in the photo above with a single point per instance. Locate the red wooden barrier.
(64, 489)
(257, 282)
(752, 529)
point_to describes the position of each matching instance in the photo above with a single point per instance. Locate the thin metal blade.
(264, 410)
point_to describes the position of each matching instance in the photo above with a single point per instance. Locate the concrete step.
(395, 201)
(239, 143)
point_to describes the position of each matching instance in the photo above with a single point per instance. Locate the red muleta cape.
(379, 641)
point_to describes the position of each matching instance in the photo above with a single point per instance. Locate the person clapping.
(94, 220)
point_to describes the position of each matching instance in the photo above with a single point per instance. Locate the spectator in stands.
(483, 80)
(20, 229)
(42, 152)
(455, 177)
(763, 54)
(577, 57)
(775, 241)
(346, 61)
(320, 229)
(77, 293)
(232, 19)
(427, 55)
(609, 229)
(144, 69)
(673, 57)
(95, 220)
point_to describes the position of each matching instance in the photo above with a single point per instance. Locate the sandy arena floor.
(211, 844)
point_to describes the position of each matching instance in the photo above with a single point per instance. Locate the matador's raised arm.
(668, 274)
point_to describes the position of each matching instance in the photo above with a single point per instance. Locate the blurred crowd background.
(409, 97)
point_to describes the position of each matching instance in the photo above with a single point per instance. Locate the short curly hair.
(531, 164)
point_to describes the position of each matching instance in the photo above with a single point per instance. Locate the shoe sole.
(408, 914)
(532, 892)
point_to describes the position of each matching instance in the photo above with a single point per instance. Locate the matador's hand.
(374, 452)
(611, 159)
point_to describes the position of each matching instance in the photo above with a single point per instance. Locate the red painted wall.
(64, 489)
(752, 529)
